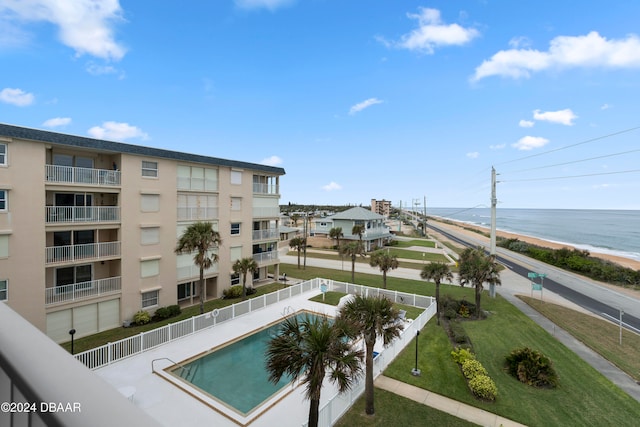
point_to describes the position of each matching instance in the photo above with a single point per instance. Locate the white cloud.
(364, 104)
(497, 147)
(84, 25)
(589, 51)
(57, 122)
(530, 142)
(473, 155)
(606, 106)
(266, 4)
(16, 97)
(272, 161)
(117, 131)
(519, 42)
(332, 186)
(563, 117)
(526, 124)
(432, 33)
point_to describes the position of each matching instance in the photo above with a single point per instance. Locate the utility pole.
(492, 244)
(424, 216)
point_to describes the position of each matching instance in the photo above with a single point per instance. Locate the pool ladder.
(287, 311)
(182, 368)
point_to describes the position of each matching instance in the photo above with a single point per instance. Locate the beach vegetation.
(531, 367)
(437, 272)
(475, 269)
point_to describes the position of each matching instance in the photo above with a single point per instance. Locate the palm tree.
(477, 268)
(358, 230)
(352, 250)
(298, 243)
(200, 237)
(385, 262)
(374, 317)
(310, 348)
(437, 271)
(336, 233)
(295, 217)
(243, 267)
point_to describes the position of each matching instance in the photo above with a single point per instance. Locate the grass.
(415, 242)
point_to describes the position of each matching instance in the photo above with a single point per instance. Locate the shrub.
(531, 367)
(167, 312)
(483, 387)
(460, 355)
(471, 368)
(458, 334)
(141, 318)
(233, 292)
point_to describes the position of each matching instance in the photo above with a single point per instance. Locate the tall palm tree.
(385, 262)
(298, 243)
(243, 267)
(476, 268)
(310, 348)
(295, 217)
(374, 317)
(201, 238)
(352, 250)
(437, 271)
(336, 233)
(358, 230)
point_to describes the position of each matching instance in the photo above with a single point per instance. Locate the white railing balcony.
(86, 252)
(259, 188)
(89, 176)
(273, 212)
(81, 214)
(191, 214)
(193, 271)
(266, 257)
(270, 234)
(82, 291)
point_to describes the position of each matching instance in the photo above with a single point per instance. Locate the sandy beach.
(626, 262)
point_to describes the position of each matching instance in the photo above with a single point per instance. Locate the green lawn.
(415, 242)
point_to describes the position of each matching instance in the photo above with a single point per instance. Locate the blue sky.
(392, 100)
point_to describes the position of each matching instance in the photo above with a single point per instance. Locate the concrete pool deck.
(171, 405)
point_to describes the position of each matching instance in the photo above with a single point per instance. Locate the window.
(150, 202)
(149, 235)
(4, 245)
(197, 178)
(4, 290)
(186, 290)
(3, 200)
(149, 299)
(235, 279)
(149, 268)
(75, 275)
(3, 154)
(236, 253)
(150, 169)
(236, 177)
(235, 228)
(236, 203)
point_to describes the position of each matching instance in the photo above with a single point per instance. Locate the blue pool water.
(236, 374)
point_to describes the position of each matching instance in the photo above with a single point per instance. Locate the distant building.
(376, 233)
(88, 227)
(381, 207)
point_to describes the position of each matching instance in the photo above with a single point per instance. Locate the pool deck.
(173, 406)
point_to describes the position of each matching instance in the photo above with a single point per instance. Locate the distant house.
(376, 233)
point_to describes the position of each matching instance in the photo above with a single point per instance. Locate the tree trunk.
(314, 407)
(384, 279)
(201, 290)
(368, 382)
(353, 268)
(244, 287)
(438, 302)
(478, 294)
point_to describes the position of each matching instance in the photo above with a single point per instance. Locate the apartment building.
(88, 227)
(381, 207)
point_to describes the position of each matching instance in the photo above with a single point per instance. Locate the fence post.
(169, 332)
(108, 353)
(141, 342)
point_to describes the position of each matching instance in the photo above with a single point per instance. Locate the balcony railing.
(86, 252)
(193, 271)
(273, 212)
(76, 214)
(266, 257)
(265, 234)
(259, 188)
(82, 291)
(89, 176)
(190, 214)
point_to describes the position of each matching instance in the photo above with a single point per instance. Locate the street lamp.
(72, 333)
(415, 371)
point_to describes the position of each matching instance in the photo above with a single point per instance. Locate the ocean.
(614, 232)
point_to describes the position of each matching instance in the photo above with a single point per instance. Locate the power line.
(572, 176)
(576, 161)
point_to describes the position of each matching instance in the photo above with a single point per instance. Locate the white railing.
(273, 212)
(190, 214)
(86, 252)
(265, 234)
(268, 256)
(68, 174)
(193, 271)
(83, 290)
(259, 188)
(76, 214)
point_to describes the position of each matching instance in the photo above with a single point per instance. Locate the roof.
(119, 147)
(356, 213)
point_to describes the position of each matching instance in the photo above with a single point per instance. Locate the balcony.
(266, 258)
(85, 252)
(86, 176)
(263, 188)
(273, 212)
(82, 291)
(193, 271)
(195, 214)
(269, 234)
(82, 214)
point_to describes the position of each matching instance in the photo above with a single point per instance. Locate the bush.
(233, 292)
(141, 318)
(531, 367)
(483, 387)
(460, 355)
(167, 312)
(458, 334)
(472, 368)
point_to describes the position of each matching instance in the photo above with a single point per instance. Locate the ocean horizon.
(606, 231)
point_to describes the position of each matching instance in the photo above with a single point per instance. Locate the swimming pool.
(235, 374)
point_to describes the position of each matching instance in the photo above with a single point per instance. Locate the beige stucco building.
(88, 227)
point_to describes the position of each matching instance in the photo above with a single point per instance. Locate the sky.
(395, 100)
